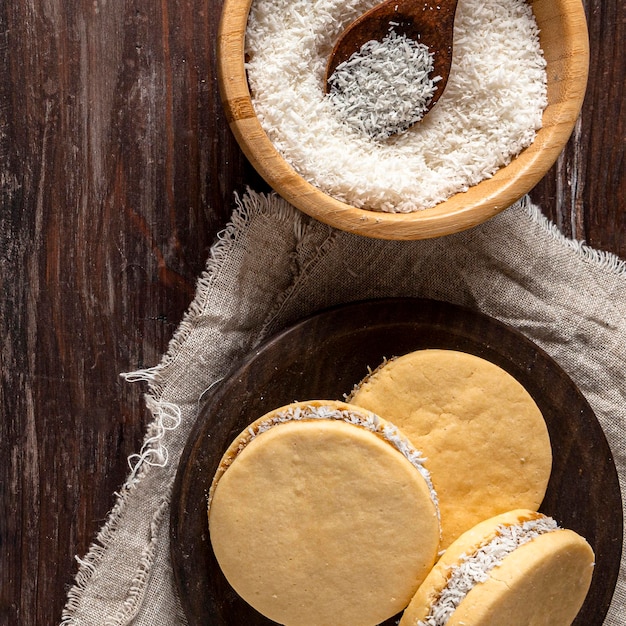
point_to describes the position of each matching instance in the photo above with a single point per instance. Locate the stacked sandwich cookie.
(515, 569)
(322, 513)
(418, 496)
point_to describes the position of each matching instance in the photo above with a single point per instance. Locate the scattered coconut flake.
(367, 420)
(474, 568)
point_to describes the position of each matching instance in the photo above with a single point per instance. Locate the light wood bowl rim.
(565, 41)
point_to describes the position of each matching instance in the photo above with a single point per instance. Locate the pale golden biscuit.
(485, 439)
(321, 514)
(533, 574)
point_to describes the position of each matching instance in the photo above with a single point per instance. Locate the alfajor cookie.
(518, 569)
(321, 513)
(485, 439)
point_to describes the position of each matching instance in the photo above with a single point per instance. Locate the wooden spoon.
(430, 22)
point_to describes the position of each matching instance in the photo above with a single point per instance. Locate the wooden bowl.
(565, 44)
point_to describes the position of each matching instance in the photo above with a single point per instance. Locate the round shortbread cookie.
(321, 514)
(535, 574)
(485, 439)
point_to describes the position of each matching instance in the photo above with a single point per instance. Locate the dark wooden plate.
(322, 358)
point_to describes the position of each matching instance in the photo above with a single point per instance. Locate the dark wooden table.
(116, 172)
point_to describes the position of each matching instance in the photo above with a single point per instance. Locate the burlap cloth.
(272, 266)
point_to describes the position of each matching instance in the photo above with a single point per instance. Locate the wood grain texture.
(584, 192)
(117, 170)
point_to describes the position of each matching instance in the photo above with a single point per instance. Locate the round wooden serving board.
(322, 358)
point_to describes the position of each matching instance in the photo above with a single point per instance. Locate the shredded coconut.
(490, 110)
(385, 87)
(475, 568)
(366, 420)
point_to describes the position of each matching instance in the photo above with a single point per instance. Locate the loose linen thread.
(167, 416)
